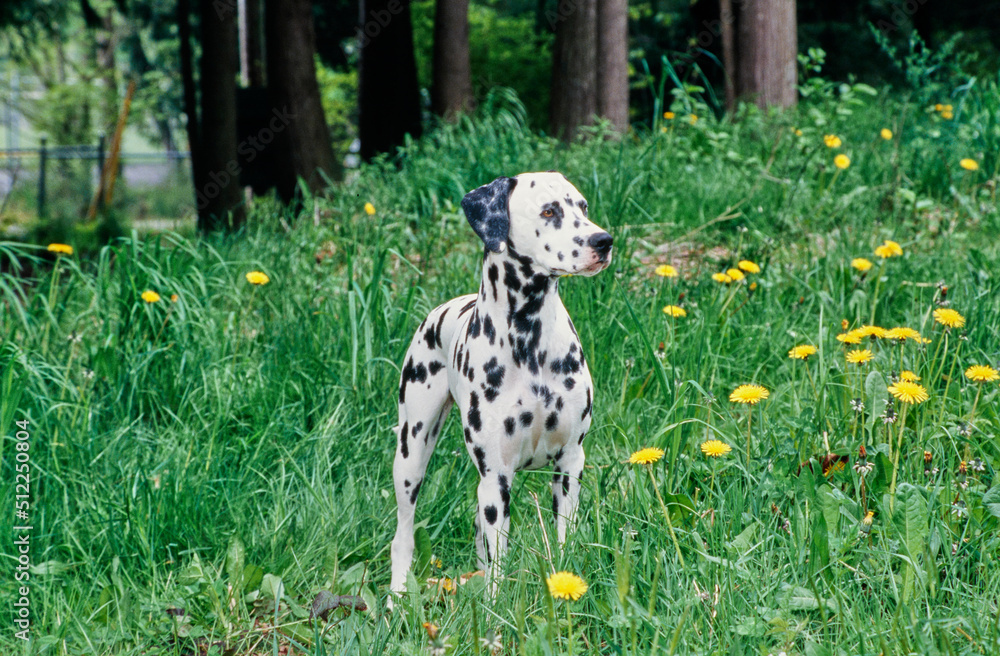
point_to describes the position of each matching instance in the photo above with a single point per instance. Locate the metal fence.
(53, 182)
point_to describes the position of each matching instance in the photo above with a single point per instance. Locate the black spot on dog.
(565, 484)
(504, 494)
(404, 450)
(558, 456)
(559, 403)
(468, 306)
(575, 253)
(475, 419)
(582, 204)
(538, 233)
(582, 435)
(494, 379)
(569, 383)
(468, 435)
(578, 241)
(526, 418)
(566, 365)
(576, 224)
(416, 428)
(508, 425)
(407, 483)
(411, 374)
(552, 421)
(510, 278)
(493, 273)
(490, 512)
(547, 249)
(532, 184)
(480, 459)
(429, 338)
(475, 325)
(543, 393)
(435, 367)
(414, 492)
(586, 409)
(555, 505)
(437, 330)
(489, 330)
(560, 256)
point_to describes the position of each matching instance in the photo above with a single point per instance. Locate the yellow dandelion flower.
(566, 585)
(150, 296)
(982, 373)
(369, 209)
(257, 278)
(735, 274)
(938, 107)
(871, 331)
(715, 448)
(850, 337)
(798, 132)
(666, 271)
(675, 311)
(841, 161)
(645, 456)
(859, 356)
(969, 164)
(869, 518)
(861, 264)
(886, 134)
(174, 298)
(908, 376)
(802, 352)
(61, 249)
(908, 392)
(883, 251)
(901, 333)
(693, 118)
(748, 266)
(947, 116)
(668, 115)
(751, 394)
(948, 317)
(831, 141)
(721, 277)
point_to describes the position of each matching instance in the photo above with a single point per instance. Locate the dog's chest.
(526, 396)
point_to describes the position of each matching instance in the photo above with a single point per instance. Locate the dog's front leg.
(566, 490)
(493, 522)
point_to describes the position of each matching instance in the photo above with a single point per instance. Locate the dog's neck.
(523, 306)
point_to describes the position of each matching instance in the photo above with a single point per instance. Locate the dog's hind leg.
(424, 401)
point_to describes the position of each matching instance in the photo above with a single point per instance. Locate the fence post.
(41, 179)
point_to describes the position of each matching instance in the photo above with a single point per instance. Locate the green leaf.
(797, 597)
(234, 561)
(911, 518)
(876, 394)
(741, 544)
(272, 587)
(422, 549)
(992, 500)
(251, 577)
(819, 545)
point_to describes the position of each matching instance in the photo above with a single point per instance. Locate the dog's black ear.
(487, 209)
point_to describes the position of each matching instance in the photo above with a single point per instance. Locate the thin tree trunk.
(574, 69)
(727, 24)
(767, 41)
(218, 186)
(299, 122)
(451, 89)
(388, 94)
(612, 62)
(189, 87)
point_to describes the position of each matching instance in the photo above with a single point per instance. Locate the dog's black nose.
(601, 242)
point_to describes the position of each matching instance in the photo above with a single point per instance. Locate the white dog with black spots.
(511, 360)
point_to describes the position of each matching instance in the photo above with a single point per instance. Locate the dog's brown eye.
(548, 214)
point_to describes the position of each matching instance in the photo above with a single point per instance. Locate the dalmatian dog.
(509, 358)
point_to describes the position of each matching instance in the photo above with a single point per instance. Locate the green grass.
(235, 445)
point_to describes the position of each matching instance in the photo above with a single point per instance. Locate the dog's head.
(540, 216)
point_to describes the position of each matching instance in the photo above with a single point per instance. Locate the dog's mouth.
(597, 265)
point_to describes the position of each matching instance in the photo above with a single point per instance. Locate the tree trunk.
(216, 182)
(766, 70)
(612, 62)
(388, 94)
(298, 120)
(574, 68)
(727, 24)
(251, 44)
(451, 89)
